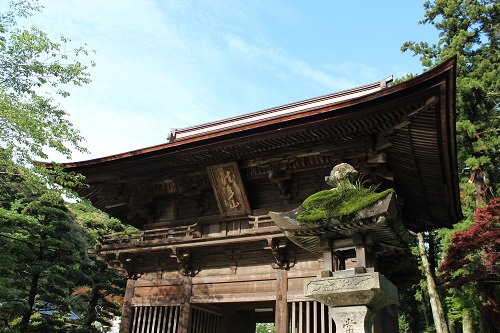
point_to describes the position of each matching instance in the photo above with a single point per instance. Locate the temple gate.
(210, 255)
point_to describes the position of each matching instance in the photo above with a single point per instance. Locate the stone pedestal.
(352, 319)
(353, 298)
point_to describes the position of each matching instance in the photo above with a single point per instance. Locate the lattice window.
(204, 321)
(309, 317)
(155, 319)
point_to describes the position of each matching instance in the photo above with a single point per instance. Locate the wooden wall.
(244, 283)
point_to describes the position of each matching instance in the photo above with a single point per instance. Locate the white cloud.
(169, 64)
(333, 77)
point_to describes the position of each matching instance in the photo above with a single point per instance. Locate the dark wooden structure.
(209, 259)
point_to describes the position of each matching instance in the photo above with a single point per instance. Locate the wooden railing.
(120, 238)
(189, 231)
(260, 221)
(246, 225)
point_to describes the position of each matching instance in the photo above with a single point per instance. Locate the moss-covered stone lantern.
(355, 224)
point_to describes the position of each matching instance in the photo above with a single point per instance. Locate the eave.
(417, 115)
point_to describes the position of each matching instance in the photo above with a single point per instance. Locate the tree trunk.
(91, 316)
(424, 307)
(436, 307)
(489, 318)
(451, 326)
(480, 186)
(31, 302)
(466, 321)
(432, 253)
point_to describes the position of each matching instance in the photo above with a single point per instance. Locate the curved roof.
(406, 132)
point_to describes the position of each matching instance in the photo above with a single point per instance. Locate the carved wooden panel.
(228, 188)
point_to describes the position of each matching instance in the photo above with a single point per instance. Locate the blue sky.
(176, 63)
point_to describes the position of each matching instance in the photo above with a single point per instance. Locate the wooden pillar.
(185, 315)
(281, 314)
(328, 260)
(127, 311)
(360, 250)
(371, 259)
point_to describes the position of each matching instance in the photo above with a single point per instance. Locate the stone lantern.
(350, 225)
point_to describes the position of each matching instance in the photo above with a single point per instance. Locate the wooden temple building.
(208, 257)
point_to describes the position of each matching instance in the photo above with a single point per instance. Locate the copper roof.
(277, 112)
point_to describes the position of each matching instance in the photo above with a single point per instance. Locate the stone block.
(370, 289)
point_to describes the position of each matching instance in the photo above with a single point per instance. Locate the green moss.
(324, 206)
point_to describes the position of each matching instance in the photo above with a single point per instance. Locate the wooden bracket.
(127, 264)
(185, 261)
(281, 179)
(281, 253)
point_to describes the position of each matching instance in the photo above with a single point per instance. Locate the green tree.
(265, 328)
(99, 295)
(473, 259)
(470, 30)
(32, 70)
(35, 281)
(46, 266)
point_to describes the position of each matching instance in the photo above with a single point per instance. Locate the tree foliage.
(265, 328)
(473, 259)
(99, 292)
(48, 279)
(474, 254)
(470, 30)
(41, 253)
(34, 69)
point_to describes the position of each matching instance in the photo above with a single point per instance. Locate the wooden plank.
(158, 291)
(134, 323)
(176, 319)
(234, 278)
(315, 305)
(155, 314)
(195, 243)
(234, 298)
(234, 287)
(167, 300)
(170, 310)
(308, 317)
(149, 323)
(301, 317)
(161, 316)
(143, 315)
(294, 273)
(158, 282)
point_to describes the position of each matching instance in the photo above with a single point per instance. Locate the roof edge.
(277, 112)
(436, 71)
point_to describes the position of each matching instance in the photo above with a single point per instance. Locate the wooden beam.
(281, 314)
(185, 313)
(148, 247)
(127, 310)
